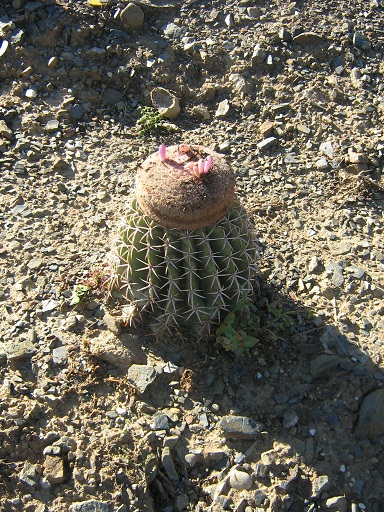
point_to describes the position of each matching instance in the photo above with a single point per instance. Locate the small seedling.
(236, 332)
(80, 291)
(243, 328)
(150, 122)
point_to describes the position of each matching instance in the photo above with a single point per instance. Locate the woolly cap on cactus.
(185, 188)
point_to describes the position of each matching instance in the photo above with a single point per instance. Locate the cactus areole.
(170, 192)
(184, 252)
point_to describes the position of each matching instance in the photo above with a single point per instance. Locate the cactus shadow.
(304, 390)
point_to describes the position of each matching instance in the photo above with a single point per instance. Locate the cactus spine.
(184, 276)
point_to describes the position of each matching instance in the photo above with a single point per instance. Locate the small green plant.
(242, 328)
(234, 333)
(80, 291)
(150, 122)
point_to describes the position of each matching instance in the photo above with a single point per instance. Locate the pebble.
(240, 480)
(222, 109)
(168, 465)
(337, 503)
(18, 350)
(323, 364)
(307, 38)
(90, 506)
(132, 17)
(30, 93)
(52, 126)
(239, 427)
(54, 469)
(371, 415)
(266, 143)
(320, 485)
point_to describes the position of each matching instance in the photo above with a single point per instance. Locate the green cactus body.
(185, 251)
(185, 278)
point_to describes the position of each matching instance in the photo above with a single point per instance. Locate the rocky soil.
(99, 417)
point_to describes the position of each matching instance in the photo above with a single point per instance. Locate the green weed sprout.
(150, 122)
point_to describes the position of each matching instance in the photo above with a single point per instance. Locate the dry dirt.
(292, 94)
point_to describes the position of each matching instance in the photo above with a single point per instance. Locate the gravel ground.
(100, 417)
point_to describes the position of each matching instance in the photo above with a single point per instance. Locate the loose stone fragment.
(239, 427)
(5, 131)
(54, 469)
(30, 474)
(323, 364)
(240, 480)
(142, 376)
(319, 485)
(337, 503)
(132, 17)
(222, 109)
(266, 143)
(371, 415)
(168, 464)
(91, 506)
(120, 351)
(52, 126)
(18, 350)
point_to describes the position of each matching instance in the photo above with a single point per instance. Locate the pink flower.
(163, 152)
(207, 164)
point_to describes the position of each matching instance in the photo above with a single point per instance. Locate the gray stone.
(172, 31)
(160, 422)
(315, 266)
(122, 351)
(5, 132)
(33, 6)
(166, 103)
(30, 474)
(18, 350)
(59, 355)
(337, 277)
(285, 35)
(112, 323)
(319, 485)
(239, 427)
(168, 464)
(356, 271)
(52, 126)
(259, 55)
(142, 376)
(290, 419)
(322, 164)
(77, 111)
(91, 506)
(266, 143)
(361, 41)
(323, 364)
(132, 17)
(371, 415)
(327, 149)
(240, 480)
(337, 503)
(341, 248)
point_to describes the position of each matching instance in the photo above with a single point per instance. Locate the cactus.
(185, 250)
